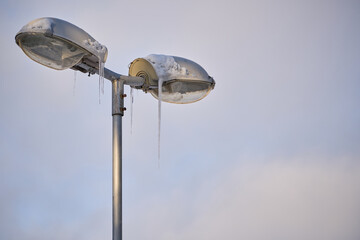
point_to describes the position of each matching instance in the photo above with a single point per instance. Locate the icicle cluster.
(160, 83)
(101, 78)
(131, 108)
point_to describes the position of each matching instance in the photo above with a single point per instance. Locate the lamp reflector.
(52, 52)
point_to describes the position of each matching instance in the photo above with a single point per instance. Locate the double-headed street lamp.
(60, 45)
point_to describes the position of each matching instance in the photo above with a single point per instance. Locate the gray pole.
(117, 113)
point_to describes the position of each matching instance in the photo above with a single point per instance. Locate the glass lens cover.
(51, 52)
(183, 91)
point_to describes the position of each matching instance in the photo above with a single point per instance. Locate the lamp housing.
(58, 44)
(182, 80)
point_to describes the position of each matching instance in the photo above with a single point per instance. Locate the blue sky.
(272, 153)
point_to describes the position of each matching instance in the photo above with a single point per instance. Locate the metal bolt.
(123, 96)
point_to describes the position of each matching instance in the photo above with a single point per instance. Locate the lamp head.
(58, 44)
(183, 81)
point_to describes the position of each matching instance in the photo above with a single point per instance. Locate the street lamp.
(60, 45)
(178, 79)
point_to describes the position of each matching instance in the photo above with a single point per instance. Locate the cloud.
(275, 200)
(255, 199)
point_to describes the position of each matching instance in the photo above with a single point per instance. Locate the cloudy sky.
(272, 153)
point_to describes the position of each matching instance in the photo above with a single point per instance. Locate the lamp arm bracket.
(110, 75)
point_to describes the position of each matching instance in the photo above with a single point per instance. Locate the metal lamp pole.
(118, 81)
(117, 113)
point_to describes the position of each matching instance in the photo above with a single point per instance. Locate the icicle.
(101, 78)
(159, 116)
(131, 108)
(74, 83)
